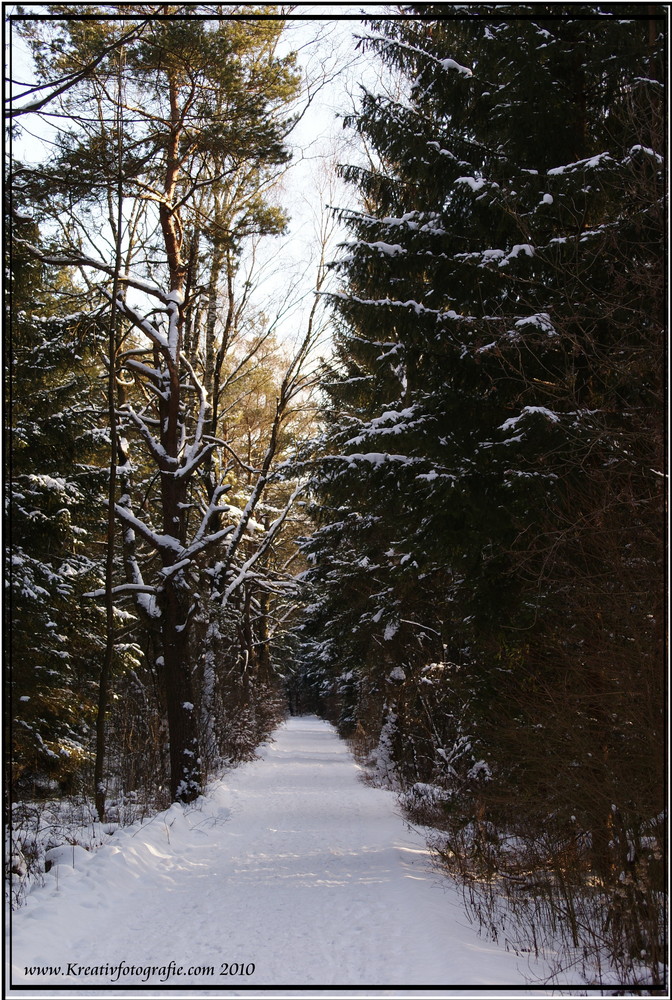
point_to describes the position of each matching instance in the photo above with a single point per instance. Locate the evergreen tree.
(57, 478)
(489, 486)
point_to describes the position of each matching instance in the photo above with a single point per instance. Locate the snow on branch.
(83, 260)
(269, 537)
(190, 464)
(417, 307)
(198, 546)
(447, 64)
(124, 588)
(143, 324)
(202, 413)
(163, 459)
(212, 509)
(162, 543)
(590, 163)
(375, 458)
(154, 374)
(528, 411)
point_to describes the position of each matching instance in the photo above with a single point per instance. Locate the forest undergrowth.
(542, 901)
(46, 821)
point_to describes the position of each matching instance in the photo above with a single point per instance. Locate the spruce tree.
(488, 489)
(56, 477)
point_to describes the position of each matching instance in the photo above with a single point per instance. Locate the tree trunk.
(186, 778)
(113, 337)
(176, 601)
(263, 651)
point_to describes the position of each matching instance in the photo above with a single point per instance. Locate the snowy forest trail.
(290, 864)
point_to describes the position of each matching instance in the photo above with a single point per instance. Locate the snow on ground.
(290, 872)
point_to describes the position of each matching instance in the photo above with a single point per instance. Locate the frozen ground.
(290, 872)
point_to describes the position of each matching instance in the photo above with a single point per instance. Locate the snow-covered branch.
(269, 538)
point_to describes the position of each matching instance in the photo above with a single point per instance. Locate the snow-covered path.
(291, 872)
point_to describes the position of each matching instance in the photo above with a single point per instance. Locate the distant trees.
(161, 177)
(486, 593)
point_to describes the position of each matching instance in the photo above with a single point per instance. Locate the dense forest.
(448, 538)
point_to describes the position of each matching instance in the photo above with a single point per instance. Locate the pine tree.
(200, 113)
